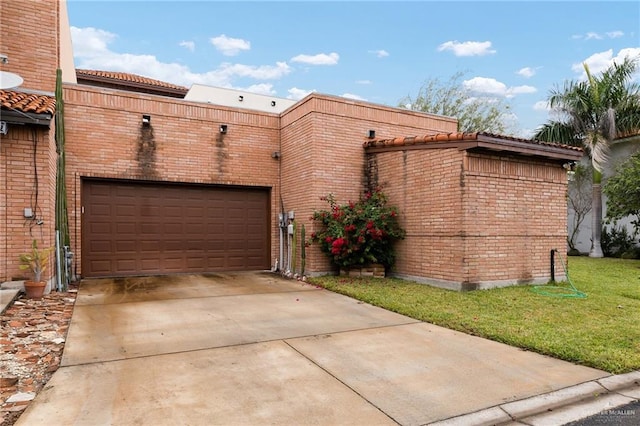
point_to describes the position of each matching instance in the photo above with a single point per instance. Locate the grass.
(600, 331)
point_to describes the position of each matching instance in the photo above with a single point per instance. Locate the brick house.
(160, 182)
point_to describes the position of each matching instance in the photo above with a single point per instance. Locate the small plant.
(360, 233)
(35, 261)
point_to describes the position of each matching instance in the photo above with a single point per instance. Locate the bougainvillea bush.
(358, 233)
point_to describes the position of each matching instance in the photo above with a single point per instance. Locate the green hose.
(560, 291)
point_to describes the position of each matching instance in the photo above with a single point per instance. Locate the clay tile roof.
(129, 80)
(475, 140)
(27, 102)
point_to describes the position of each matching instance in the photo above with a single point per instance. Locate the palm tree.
(593, 113)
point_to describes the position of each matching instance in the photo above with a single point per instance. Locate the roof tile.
(128, 78)
(27, 102)
(456, 136)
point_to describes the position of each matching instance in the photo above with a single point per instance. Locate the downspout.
(281, 215)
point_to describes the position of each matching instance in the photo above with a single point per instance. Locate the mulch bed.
(32, 337)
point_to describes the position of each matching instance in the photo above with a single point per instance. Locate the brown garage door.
(135, 228)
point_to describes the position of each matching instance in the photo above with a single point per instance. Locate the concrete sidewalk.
(253, 348)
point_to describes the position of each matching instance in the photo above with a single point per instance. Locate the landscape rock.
(32, 337)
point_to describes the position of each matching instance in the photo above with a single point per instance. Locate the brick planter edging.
(375, 270)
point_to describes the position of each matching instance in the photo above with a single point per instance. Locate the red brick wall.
(103, 129)
(18, 171)
(322, 153)
(473, 220)
(516, 213)
(425, 186)
(30, 40)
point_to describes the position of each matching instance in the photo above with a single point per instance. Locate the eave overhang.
(484, 142)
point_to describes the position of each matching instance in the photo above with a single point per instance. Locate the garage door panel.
(150, 265)
(150, 228)
(153, 228)
(124, 228)
(151, 212)
(101, 266)
(126, 246)
(126, 210)
(101, 228)
(101, 209)
(101, 246)
(172, 212)
(126, 265)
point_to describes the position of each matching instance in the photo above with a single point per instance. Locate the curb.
(7, 296)
(558, 407)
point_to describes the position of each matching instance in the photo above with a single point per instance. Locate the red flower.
(350, 228)
(370, 224)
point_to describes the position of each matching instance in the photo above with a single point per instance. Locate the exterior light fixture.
(273, 103)
(223, 128)
(275, 155)
(371, 134)
(241, 98)
(146, 119)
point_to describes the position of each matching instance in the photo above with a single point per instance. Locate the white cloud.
(261, 72)
(467, 48)
(380, 53)
(592, 35)
(297, 94)
(526, 72)
(352, 96)
(91, 51)
(520, 90)
(319, 59)
(90, 42)
(229, 46)
(364, 82)
(599, 62)
(189, 45)
(541, 106)
(491, 86)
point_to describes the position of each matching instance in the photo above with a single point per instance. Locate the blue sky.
(379, 52)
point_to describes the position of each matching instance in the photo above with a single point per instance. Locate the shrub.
(358, 233)
(616, 242)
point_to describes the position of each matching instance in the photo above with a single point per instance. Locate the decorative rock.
(32, 336)
(7, 381)
(21, 397)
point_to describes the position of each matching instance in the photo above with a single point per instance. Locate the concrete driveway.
(253, 348)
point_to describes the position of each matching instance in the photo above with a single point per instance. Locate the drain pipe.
(552, 259)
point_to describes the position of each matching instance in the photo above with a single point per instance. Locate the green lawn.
(601, 330)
